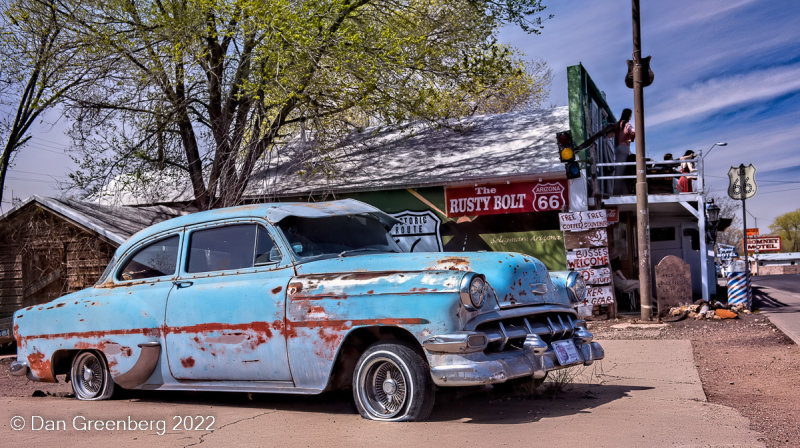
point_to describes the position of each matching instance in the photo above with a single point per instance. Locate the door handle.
(182, 284)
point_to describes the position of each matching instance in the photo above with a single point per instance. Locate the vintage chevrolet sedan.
(303, 298)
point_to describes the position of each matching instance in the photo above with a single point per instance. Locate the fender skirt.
(144, 367)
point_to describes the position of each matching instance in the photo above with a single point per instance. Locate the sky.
(725, 71)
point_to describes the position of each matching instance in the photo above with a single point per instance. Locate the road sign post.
(742, 187)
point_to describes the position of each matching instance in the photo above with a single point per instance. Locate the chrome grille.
(510, 333)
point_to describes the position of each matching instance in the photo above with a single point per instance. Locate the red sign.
(752, 232)
(495, 199)
(612, 214)
(764, 244)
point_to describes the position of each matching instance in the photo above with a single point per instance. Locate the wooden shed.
(50, 247)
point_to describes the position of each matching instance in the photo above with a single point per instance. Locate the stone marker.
(673, 283)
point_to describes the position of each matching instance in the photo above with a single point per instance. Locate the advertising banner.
(494, 199)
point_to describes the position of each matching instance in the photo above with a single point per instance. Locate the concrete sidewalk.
(645, 393)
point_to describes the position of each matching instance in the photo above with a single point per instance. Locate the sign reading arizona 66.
(549, 196)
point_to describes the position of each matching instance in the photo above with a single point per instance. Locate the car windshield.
(336, 236)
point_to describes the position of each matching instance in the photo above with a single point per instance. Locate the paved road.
(778, 297)
(645, 393)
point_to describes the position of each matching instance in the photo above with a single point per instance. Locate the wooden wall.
(43, 256)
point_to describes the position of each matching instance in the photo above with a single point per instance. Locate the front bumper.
(18, 368)
(479, 368)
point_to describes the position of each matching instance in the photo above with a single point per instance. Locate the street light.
(712, 215)
(708, 151)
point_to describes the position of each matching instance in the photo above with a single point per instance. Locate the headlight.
(474, 290)
(576, 287)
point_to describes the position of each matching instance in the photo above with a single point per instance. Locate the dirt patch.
(744, 363)
(20, 386)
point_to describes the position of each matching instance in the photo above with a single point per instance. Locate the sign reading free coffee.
(494, 199)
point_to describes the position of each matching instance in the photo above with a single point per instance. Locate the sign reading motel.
(764, 244)
(517, 197)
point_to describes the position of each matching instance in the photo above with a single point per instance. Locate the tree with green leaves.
(787, 226)
(205, 91)
(41, 60)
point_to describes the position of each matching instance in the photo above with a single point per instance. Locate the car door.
(129, 309)
(225, 316)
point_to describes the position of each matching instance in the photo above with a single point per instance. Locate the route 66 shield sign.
(738, 190)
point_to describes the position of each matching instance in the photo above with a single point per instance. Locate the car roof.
(273, 212)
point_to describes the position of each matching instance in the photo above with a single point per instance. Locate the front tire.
(392, 382)
(90, 377)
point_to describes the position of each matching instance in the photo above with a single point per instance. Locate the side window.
(237, 246)
(266, 251)
(154, 260)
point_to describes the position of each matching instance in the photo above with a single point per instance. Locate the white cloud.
(705, 98)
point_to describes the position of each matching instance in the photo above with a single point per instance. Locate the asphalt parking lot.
(645, 393)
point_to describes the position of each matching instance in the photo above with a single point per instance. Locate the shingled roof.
(487, 146)
(116, 224)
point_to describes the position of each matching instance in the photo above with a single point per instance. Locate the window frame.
(271, 233)
(141, 245)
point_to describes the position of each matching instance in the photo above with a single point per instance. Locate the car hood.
(516, 279)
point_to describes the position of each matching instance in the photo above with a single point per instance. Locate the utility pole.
(743, 182)
(642, 213)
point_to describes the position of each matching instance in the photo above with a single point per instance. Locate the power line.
(763, 180)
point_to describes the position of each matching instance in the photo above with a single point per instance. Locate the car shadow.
(482, 405)
(490, 406)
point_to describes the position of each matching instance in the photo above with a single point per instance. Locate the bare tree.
(205, 91)
(40, 62)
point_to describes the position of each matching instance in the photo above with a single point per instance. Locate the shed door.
(225, 318)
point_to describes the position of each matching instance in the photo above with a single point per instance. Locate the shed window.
(154, 260)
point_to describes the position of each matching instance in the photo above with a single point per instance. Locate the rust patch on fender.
(41, 367)
(277, 290)
(450, 264)
(187, 362)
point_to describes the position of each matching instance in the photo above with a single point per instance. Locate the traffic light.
(566, 152)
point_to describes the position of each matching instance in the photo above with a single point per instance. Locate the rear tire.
(392, 382)
(90, 377)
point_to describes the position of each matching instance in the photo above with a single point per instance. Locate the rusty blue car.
(301, 298)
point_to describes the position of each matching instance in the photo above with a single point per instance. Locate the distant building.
(780, 263)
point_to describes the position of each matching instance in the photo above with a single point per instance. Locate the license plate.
(566, 352)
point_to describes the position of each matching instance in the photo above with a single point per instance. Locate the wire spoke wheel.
(90, 377)
(384, 388)
(392, 382)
